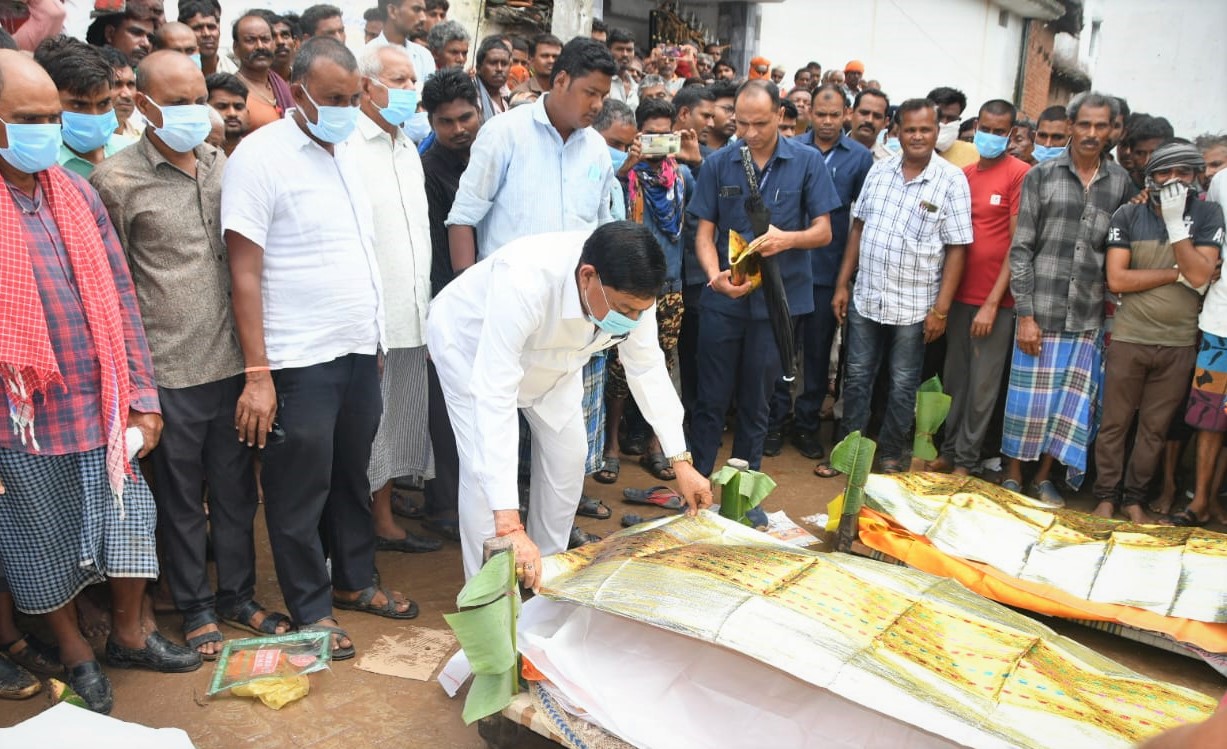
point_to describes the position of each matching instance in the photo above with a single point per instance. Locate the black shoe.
(16, 683)
(159, 654)
(808, 444)
(93, 686)
(410, 544)
(449, 528)
(580, 538)
(773, 445)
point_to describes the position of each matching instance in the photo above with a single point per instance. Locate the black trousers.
(443, 491)
(199, 446)
(315, 478)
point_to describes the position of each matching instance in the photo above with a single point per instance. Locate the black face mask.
(1153, 188)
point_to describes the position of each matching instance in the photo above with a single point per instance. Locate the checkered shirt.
(908, 224)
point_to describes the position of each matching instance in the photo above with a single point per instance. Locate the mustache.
(260, 53)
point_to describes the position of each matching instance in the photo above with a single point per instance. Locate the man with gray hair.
(654, 87)
(449, 44)
(308, 306)
(1057, 280)
(392, 172)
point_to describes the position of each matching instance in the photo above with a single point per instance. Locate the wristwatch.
(682, 457)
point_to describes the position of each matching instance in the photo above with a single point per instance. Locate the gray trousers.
(972, 377)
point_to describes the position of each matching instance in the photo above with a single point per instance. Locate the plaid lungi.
(594, 412)
(60, 528)
(1052, 406)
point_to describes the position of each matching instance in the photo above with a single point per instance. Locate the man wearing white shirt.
(514, 332)
(547, 149)
(392, 172)
(308, 306)
(622, 46)
(404, 17)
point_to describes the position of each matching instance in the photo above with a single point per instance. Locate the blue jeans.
(904, 349)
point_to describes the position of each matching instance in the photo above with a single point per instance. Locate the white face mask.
(947, 134)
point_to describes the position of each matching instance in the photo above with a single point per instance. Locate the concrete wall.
(910, 47)
(1166, 59)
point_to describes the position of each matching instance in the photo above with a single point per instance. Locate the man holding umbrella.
(778, 193)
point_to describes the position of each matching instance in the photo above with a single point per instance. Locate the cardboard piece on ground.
(412, 653)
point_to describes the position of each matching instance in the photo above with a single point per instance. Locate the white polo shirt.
(309, 211)
(511, 333)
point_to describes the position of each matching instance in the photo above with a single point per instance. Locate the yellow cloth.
(926, 649)
(961, 154)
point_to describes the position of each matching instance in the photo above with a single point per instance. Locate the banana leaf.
(853, 456)
(932, 407)
(486, 629)
(741, 490)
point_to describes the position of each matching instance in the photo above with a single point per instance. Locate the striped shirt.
(908, 224)
(1057, 256)
(523, 179)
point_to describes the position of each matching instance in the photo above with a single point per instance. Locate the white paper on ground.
(67, 725)
(782, 528)
(455, 673)
(660, 690)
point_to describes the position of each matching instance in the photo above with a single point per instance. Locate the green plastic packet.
(276, 657)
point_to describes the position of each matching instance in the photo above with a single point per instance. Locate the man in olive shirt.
(164, 197)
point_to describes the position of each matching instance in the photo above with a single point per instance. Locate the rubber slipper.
(34, 655)
(608, 473)
(631, 519)
(657, 465)
(1011, 485)
(1186, 518)
(661, 496)
(591, 507)
(825, 471)
(1046, 492)
(338, 654)
(404, 506)
(579, 537)
(364, 603)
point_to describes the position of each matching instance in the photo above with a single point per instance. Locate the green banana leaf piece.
(853, 457)
(486, 630)
(742, 490)
(932, 407)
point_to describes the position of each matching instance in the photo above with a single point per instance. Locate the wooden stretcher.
(533, 711)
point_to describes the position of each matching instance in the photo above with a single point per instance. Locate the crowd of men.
(223, 261)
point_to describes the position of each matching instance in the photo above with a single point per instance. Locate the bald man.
(170, 186)
(79, 381)
(178, 37)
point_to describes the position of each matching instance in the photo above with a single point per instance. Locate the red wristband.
(517, 529)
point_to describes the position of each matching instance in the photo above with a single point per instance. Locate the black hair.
(261, 14)
(913, 105)
(374, 14)
(797, 74)
(227, 82)
(690, 96)
(311, 17)
(627, 258)
(293, 20)
(833, 88)
(491, 43)
(619, 36)
(446, 86)
(74, 66)
(870, 92)
(1148, 128)
(760, 84)
(318, 47)
(581, 56)
(789, 108)
(1125, 111)
(547, 39)
(442, 5)
(1025, 123)
(722, 62)
(944, 95)
(599, 25)
(723, 90)
(7, 41)
(520, 43)
(999, 107)
(968, 125)
(651, 109)
(1055, 113)
(189, 9)
(96, 33)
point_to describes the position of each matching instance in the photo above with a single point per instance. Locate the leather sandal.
(364, 603)
(34, 655)
(241, 616)
(159, 654)
(93, 686)
(16, 683)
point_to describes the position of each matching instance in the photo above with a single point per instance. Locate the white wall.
(911, 46)
(1167, 59)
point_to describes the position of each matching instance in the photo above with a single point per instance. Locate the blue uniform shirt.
(797, 188)
(848, 162)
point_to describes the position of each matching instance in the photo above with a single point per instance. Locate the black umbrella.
(773, 290)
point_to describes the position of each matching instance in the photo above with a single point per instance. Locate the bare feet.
(208, 648)
(93, 618)
(1138, 515)
(941, 465)
(961, 471)
(1163, 503)
(1104, 510)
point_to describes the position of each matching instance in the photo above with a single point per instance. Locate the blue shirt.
(797, 188)
(848, 163)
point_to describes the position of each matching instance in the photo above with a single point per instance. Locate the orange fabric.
(759, 62)
(881, 533)
(260, 112)
(529, 671)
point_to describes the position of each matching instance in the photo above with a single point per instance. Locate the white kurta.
(511, 333)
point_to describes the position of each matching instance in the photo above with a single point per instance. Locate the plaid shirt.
(69, 420)
(908, 225)
(1057, 256)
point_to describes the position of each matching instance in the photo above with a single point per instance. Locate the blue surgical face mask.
(334, 123)
(618, 158)
(32, 148)
(892, 144)
(85, 132)
(184, 126)
(402, 103)
(615, 323)
(196, 59)
(990, 146)
(1044, 153)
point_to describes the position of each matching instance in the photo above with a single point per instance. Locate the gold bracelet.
(937, 314)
